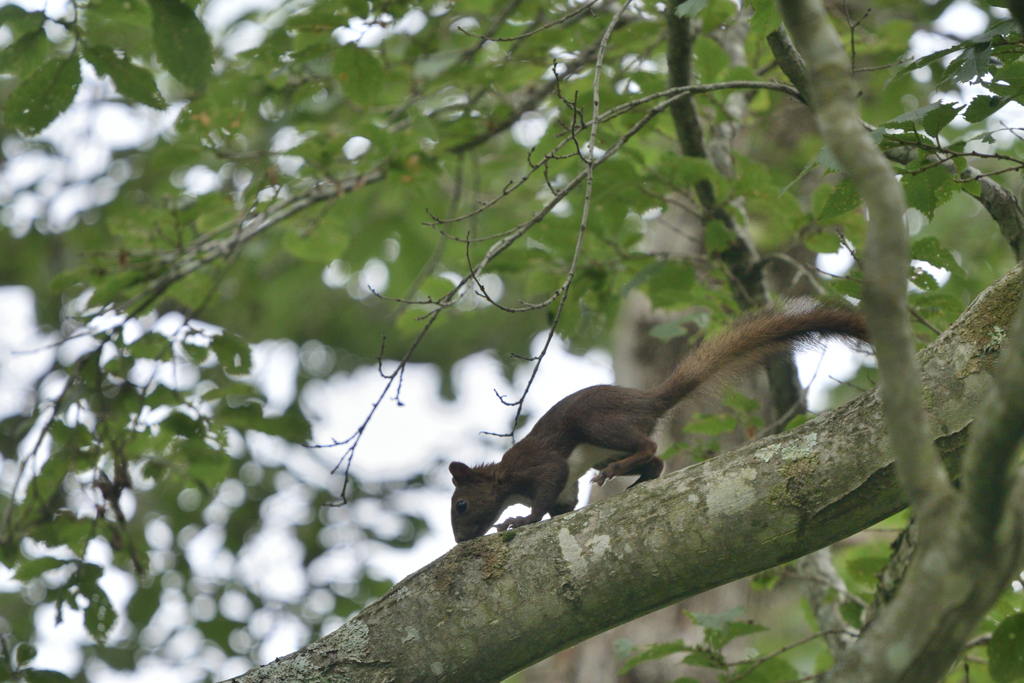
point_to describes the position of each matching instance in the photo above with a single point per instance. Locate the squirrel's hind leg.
(643, 462)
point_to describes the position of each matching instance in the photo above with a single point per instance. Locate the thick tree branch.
(995, 443)
(496, 604)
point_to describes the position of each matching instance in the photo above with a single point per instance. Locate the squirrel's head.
(475, 503)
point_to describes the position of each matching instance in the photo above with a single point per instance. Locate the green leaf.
(318, 243)
(291, 426)
(115, 286)
(845, 287)
(233, 353)
(181, 42)
(828, 159)
(150, 345)
(766, 580)
(931, 117)
(360, 73)
(929, 249)
(983, 106)
(1006, 650)
(182, 425)
(24, 653)
(866, 569)
(766, 18)
(718, 621)
(669, 331)
(686, 325)
(43, 96)
(712, 660)
(688, 171)
(690, 8)
(656, 651)
(822, 242)
(741, 628)
(26, 54)
(711, 425)
(928, 190)
(940, 307)
(67, 529)
(125, 25)
(937, 119)
(972, 64)
(844, 197)
(30, 569)
(669, 281)
(721, 628)
(927, 60)
(806, 169)
(133, 82)
(100, 614)
(798, 420)
(922, 279)
(196, 351)
(19, 20)
(207, 466)
(851, 612)
(775, 670)
(717, 237)
(236, 390)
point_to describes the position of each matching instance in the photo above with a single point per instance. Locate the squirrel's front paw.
(512, 523)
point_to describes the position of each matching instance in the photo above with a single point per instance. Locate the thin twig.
(537, 30)
(761, 660)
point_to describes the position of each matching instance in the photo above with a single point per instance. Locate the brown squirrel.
(608, 428)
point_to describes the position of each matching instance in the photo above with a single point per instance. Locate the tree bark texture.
(498, 603)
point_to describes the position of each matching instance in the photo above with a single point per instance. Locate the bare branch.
(589, 159)
(674, 94)
(537, 30)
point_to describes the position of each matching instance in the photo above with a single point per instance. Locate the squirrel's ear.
(461, 474)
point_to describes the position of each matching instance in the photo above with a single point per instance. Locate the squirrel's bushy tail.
(754, 339)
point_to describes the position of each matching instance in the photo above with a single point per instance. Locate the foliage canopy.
(330, 172)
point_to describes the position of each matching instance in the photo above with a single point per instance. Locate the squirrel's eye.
(461, 506)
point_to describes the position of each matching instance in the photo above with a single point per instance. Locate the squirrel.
(608, 428)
